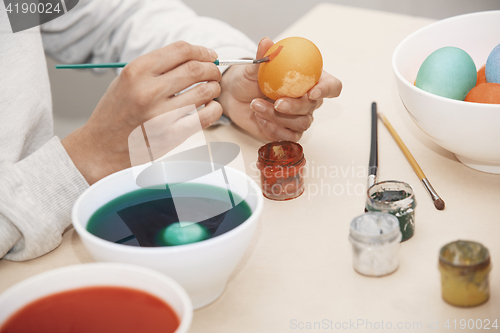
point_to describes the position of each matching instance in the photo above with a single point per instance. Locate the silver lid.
(375, 227)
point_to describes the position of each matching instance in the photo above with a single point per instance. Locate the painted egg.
(295, 70)
(176, 234)
(448, 72)
(484, 93)
(493, 66)
(481, 76)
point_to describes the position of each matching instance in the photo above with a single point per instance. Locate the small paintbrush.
(373, 164)
(218, 62)
(438, 202)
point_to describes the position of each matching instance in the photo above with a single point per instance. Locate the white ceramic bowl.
(470, 130)
(202, 268)
(98, 274)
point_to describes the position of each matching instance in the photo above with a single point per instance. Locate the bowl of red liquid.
(99, 297)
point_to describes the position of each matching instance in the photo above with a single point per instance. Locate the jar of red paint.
(281, 167)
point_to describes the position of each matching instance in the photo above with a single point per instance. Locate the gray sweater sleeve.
(37, 194)
(38, 181)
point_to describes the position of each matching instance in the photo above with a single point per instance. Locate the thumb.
(264, 45)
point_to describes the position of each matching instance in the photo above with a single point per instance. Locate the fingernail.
(315, 93)
(282, 105)
(213, 54)
(258, 106)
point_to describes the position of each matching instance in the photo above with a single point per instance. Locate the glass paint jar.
(281, 167)
(465, 268)
(375, 239)
(396, 198)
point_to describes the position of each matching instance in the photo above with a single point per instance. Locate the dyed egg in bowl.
(202, 268)
(469, 130)
(98, 297)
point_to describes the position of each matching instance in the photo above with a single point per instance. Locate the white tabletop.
(298, 268)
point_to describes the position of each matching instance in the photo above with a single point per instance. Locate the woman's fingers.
(188, 74)
(166, 132)
(202, 94)
(328, 86)
(192, 123)
(297, 106)
(169, 57)
(274, 132)
(169, 70)
(276, 126)
(210, 114)
(298, 123)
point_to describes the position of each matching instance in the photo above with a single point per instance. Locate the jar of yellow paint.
(464, 267)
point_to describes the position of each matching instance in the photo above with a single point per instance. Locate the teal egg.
(448, 72)
(175, 234)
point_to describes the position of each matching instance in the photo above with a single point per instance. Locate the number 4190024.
(32, 8)
(478, 324)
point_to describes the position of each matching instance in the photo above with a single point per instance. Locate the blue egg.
(448, 72)
(493, 66)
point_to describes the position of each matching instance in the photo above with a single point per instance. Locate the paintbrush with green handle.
(218, 62)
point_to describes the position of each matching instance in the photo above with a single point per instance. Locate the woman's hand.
(146, 88)
(284, 119)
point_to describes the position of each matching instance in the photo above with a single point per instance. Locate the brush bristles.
(439, 204)
(275, 53)
(270, 57)
(260, 61)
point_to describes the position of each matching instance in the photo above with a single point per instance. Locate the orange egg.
(295, 70)
(484, 93)
(481, 76)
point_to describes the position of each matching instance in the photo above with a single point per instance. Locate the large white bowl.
(98, 274)
(202, 268)
(470, 130)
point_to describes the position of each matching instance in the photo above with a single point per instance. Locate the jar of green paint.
(396, 198)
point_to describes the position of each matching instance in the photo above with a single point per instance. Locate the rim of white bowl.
(83, 232)
(187, 306)
(484, 106)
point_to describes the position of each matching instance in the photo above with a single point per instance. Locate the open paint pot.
(465, 268)
(281, 167)
(375, 239)
(396, 198)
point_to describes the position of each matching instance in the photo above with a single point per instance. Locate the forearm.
(93, 159)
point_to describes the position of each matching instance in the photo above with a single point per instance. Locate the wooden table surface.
(297, 272)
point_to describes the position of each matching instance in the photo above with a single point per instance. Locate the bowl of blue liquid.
(194, 229)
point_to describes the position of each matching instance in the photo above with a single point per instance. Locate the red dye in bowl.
(96, 310)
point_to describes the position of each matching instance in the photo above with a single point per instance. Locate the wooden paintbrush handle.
(403, 147)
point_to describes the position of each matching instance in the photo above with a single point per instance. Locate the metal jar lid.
(464, 256)
(375, 228)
